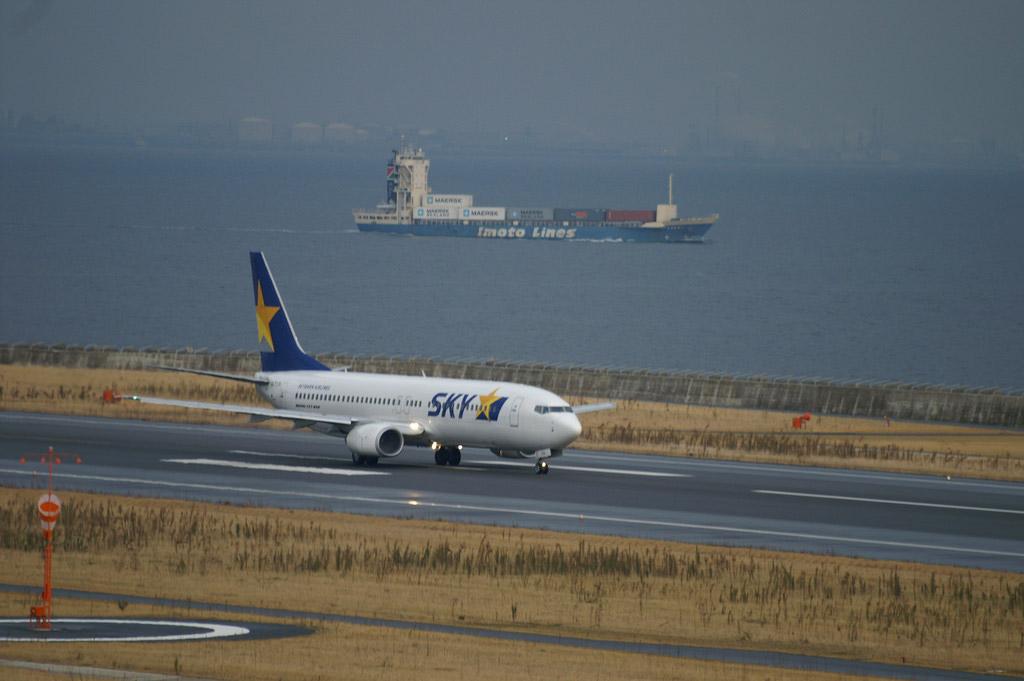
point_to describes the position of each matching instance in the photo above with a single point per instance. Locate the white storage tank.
(341, 133)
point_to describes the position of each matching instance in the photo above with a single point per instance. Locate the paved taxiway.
(880, 515)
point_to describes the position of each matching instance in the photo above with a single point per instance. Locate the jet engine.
(375, 439)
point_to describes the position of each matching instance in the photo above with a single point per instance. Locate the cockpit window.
(541, 409)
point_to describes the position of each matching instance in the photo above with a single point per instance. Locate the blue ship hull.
(546, 231)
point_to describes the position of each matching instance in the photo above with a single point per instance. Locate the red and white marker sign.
(49, 510)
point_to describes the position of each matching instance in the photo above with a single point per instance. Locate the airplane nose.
(577, 427)
(569, 427)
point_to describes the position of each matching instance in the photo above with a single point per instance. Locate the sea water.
(852, 273)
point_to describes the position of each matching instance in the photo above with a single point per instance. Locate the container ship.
(412, 208)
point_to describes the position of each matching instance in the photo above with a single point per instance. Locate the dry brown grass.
(647, 427)
(59, 390)
(602, 587)
(341, 651)
(766, 436)
(10, 674)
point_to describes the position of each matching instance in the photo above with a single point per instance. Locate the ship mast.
(667, 211)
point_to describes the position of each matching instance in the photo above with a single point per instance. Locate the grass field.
(678, 430)
(530, 580)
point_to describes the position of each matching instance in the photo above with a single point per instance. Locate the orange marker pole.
(48, 507)
(43, 621)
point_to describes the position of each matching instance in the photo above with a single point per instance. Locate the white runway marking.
(207, 630)
(274, 467)
(898, 502)
(275, 455)
(784, 469)
(587, 469)
(410, 503)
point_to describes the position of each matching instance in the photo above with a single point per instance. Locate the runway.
(857, 513)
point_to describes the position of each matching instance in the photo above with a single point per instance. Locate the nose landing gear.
(541, 467)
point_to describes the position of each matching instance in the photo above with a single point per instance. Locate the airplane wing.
(259, 413)
(600, 406)
(301, 419)
(217, 374)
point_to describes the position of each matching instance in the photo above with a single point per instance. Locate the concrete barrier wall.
(906, 402)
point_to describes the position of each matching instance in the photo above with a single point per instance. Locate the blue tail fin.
(279, 348)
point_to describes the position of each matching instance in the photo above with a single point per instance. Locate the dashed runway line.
(898, 502)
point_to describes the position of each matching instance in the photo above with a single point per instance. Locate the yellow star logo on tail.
(264, 313)
(485, 404)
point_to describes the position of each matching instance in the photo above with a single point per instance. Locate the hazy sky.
(615, 71)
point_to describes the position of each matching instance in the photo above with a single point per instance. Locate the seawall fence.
(992, 407)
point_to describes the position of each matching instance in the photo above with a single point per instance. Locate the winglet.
(279, 348)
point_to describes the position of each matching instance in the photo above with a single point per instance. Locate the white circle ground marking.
(207, 630)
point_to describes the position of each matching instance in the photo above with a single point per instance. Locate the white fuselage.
(450, 412)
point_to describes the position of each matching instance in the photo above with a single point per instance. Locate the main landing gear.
(448, 456)
(360, 460)
(541, 467)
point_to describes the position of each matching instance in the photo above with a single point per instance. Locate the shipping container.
(483, 213)
(437, 213)
(457, 200)
(530, 213)
(579, 214)
(630, 216)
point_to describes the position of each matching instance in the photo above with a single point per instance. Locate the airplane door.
(513, 412)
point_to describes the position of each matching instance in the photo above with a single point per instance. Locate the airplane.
(380, 414)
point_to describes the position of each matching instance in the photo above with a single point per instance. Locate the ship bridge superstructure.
(408, 180)
(408, 185)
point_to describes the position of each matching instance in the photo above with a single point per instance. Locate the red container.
(630, 216)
